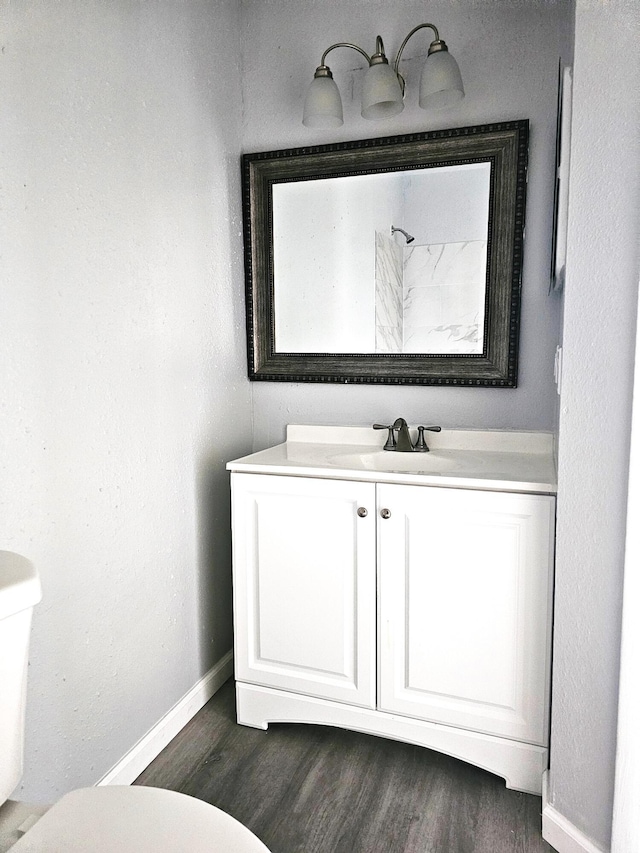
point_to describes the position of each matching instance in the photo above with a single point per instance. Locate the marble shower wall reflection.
(444, 296)
(430, 299)
(389, 294)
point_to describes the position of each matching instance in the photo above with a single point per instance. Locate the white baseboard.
(559, 832)
(151, 745)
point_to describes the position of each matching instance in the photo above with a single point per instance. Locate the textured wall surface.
(508, 55)
(626, 814)
(599, 333)
(123, 388)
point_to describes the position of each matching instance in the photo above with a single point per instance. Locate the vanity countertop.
(493, 460)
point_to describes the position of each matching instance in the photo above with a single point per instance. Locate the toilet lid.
(124, 819)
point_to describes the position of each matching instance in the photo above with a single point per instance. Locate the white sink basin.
(433, 462)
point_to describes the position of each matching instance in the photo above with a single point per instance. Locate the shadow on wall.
(215, 627)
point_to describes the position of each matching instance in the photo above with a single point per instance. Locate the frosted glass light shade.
(381, 92)
(323, 105)
(441, 82)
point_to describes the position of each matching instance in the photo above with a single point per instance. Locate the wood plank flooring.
(315, 789)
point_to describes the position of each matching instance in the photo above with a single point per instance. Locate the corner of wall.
(559, 832)
(138, 758)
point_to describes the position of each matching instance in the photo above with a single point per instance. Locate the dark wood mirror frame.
(503, 145)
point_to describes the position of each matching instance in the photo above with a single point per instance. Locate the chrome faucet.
(403, 443)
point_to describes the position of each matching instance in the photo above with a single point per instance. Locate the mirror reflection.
(382, 263)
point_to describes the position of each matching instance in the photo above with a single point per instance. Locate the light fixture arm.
(378, 56)
(344, 44)
(436, 44)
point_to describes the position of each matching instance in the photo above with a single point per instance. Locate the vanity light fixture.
(383, 85)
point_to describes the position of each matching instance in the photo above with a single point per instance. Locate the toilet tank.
(19, 591)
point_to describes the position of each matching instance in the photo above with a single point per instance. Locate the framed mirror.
(394, 260)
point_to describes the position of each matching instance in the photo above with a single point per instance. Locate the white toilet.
(104, 819)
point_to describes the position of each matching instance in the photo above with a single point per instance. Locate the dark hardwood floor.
(316, 789)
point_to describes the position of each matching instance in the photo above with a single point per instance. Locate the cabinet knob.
(362, 512)
(385, 513)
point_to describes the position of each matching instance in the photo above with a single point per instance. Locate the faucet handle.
(421, 444)
(391, 438)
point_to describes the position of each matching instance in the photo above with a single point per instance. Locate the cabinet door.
(465, 608)
(304, 585)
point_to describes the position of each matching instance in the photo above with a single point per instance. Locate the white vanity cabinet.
(414, 612)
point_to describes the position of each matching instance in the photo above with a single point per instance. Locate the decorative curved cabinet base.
(520, 764)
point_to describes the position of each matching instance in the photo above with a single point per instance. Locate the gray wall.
(603, 268)
(123, 388)
(508, 54)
